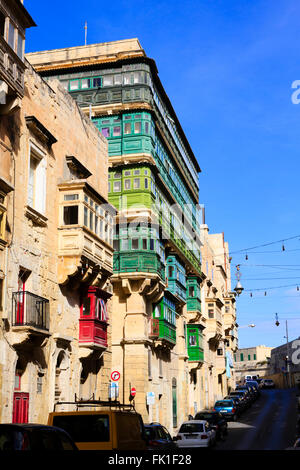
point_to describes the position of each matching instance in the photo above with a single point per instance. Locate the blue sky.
(228, 67)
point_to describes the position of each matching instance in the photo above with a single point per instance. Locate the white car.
(268, 383)
(195, 433)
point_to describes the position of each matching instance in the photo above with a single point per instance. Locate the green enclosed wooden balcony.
(138, 261)
(195, 343)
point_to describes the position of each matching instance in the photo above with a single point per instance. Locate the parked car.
(34, 437)
(195, 433)
(111, 426)
(245, 401)
(227, 408)
(254, 385)
(268, 383)
(251, 377)
(158, 437)
(251, 394)
(216, 421)
(238, 401)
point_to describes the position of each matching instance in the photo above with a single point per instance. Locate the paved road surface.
(269, 424)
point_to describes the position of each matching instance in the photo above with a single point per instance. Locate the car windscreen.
(224, 403)
(205, 416)
(191, 427)
(84, 428)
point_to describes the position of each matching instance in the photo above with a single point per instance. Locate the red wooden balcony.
(154, 328)
(93, 320)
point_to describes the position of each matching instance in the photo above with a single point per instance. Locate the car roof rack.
(81, 403)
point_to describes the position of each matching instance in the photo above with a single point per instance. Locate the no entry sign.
(115, 375)
(133, 392)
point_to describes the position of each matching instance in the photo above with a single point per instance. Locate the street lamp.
(238, 288)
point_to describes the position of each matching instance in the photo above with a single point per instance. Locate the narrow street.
(270, 423)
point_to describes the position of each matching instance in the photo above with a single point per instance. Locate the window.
(96, 82)
(127, 128)
(116, 245)
(37, 179)
(136, 183)
(211, 313)
(108, 80)
(144, 243)
(127, 184)
(146, 185)
(11, 36)
(74, 85)
(2, 218)
(125, 244)
(137, 127)
(117, 131)
(39, 383)
(85, 83)
(105, 131)
(117, 186)
(151, 244)
(160, 367)
(170, 271)
(70, 215)
(127, 79)
(191, 291)
(192, 340)
(254, 357)
(20, 46)
(249, 357)
(71, 197)
(135, 243)
(2, 24)
(241, 357)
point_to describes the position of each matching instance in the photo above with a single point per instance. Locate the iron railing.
(30, 310)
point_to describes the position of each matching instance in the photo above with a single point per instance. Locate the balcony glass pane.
(70, 215)
(20, 46)
(11, 36)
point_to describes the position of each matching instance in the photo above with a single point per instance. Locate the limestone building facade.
(219, 311)
(56, 250)
(252, 361)
(153, 183)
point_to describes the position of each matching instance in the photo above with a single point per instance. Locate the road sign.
(133, 392)
(115, 375)
(113, 390)
(150, 398)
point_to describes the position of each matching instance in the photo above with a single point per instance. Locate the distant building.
(284, 356)
(252, 361)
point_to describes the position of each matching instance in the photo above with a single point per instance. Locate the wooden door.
(20, 407)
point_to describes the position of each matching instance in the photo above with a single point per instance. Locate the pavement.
(269, 424)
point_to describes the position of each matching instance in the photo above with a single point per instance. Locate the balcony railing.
(30, 310)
